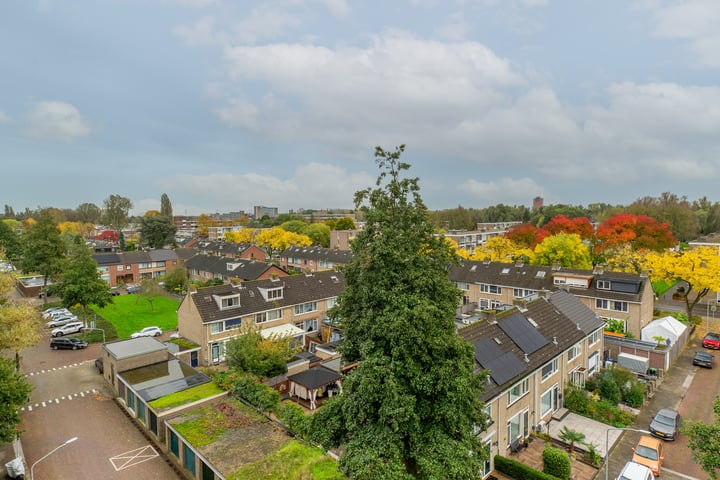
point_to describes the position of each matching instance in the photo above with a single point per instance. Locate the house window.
(494, 289)
(614, 305)
(522, 293)
(549, 401)
(216, 327)
(488, 413)
(486, 304)
(518, 391)
(307, 325)
(233, 324)
(594, 337)
(305, 308)
(160, 264)
(144, 265)
(593, 363)
(331, 302)
(274, 293)
(487, 464)
(462, 285)
(517, 427)
(268, 316)
(549, 369)
(574, 352)
(603, 284)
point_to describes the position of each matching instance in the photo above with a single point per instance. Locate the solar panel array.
(503, 366)
(520, 331)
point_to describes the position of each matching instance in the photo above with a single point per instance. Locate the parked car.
(132, 288)
(56, 312)
(635, 471)
(68, 328)
(666, 424)
(71, 343)
(649, 452)
(62, 320)
(704, 359)
(712, 340)
(148, 332)
(99, 364)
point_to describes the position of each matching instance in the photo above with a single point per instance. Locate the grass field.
(131, 313)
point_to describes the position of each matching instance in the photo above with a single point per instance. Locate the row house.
(293, 306)
(229, 249)
(530, 354)
(626, 297)
(341, 239)
(133, 267)
(313, 259)
(230, 270)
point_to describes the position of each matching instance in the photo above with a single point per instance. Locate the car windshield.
(646, 452)
(713, 336)
(665, 420)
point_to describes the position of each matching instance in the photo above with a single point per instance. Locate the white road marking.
(57, 400)
(133, 457)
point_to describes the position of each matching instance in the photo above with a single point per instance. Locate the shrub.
(635, 395)
(519, 471)
(256, 393)
(577, 400)
(556, 462)
(609, 390)
(294, 418)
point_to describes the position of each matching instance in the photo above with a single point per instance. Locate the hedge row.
(519, 471)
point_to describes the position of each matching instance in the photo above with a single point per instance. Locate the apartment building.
(530, 354)
(312, 259)
(292, 306)
(626, 297)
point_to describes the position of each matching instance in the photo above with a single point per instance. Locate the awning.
(282, 331)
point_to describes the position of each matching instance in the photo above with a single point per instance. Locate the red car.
(712, 340)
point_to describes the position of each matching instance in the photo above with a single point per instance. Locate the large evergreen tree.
(411, 407)
(157, 230)
(44, 250)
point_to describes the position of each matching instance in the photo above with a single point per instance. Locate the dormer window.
(274, 293)
(225, 302)
(603, 284)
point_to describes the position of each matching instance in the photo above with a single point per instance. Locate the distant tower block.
(537, 203)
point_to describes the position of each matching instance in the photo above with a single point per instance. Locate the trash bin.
(15, 468)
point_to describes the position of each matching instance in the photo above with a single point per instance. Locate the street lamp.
(32, 477)
(607, 449)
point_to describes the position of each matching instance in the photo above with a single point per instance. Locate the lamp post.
(607, 448)
(32, 468)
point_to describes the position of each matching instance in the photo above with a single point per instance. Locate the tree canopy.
(156, 231)
(263, 357)
(410, 408)
(14, 393)
(116, 209)
(44, 251)
(565, 249)
(166, 209)
(704, 441)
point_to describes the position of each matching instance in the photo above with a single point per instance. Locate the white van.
(635, 471)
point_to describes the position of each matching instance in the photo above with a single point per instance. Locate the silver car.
(62, 320)
(665, 424)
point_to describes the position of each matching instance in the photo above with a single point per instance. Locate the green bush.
(258, 394)
(519, 471)
(556, 462)
(609, 389)
(293, 416)
(577, 400)
(635, 395)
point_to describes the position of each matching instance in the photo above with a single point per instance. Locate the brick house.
(290, 306)
(612, 295)
(229, 249)
(133, 267)
(312, 259)
(206, 267)
(531, 353)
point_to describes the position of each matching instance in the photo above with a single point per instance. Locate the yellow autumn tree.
(698, 267)
(501, 249)
(20, 323)
(623, 258)
(275, 240)
(203, 222)
(244, 235)
(83, 230)
(565, 249)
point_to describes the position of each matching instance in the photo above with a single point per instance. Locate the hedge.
(556, 462)
(519, 471)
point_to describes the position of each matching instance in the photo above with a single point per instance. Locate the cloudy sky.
(226, 104)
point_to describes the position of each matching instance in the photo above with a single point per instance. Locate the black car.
(703, 359)
(70, 343)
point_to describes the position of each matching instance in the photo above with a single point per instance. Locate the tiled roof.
(537, 277)
(297, 289)
(135, 257)
(162, 254)
(318, 253)
(185, 253)
(107, 258)
(588, 320)
(560, 332)
(244, 269)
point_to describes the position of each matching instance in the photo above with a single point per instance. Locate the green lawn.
(130, 313)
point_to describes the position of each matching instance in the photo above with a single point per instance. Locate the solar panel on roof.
(503, 366)
(523, 333)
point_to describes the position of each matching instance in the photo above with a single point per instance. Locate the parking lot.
(71, 399)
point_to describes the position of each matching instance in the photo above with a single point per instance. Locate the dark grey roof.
(553, 325)
(162, 255)
(160, 379)
(315, 377)
(333, 255)
(228, 267)
(135, 257)
(576, 311)
(624, 286)
(297, 289)
(185, 253)
(223, 248)
(107, 258)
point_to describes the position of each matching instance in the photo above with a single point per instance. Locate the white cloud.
(312, 185)
(513, 191)
(695, 21)
(56, 121)
(202, 32)
(4, 118)
(455, 29)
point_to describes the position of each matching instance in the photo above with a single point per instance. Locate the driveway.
(71, 399)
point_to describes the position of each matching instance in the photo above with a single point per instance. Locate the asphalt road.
(71, 400)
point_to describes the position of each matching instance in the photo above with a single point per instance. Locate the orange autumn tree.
(562, 224)
(639, 231)
(523, 235)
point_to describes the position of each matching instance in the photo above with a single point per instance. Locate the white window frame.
(549, 369)
(594, 337)
(268, 316)
(217, 327)
(602, 284)
(551, 406)
(521, 388)
(593, 363)
(574, 351)
(305, 308)
(491, 289)
(521, 419)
